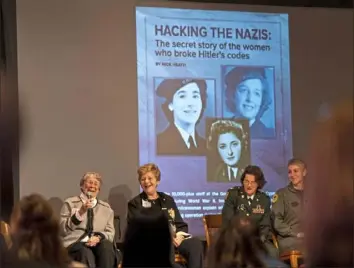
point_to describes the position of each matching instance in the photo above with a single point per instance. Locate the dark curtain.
(8, 108)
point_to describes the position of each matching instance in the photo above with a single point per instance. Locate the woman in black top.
(152, 202)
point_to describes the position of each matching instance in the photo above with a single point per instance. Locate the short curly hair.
(257, 172)
(90, 174)
(223, 126)
(150, 167)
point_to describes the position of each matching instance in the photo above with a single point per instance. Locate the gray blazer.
(73, 230)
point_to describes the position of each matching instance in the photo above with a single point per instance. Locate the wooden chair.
(180, 259)
(212, 224)
(291, 256)
(5, 231)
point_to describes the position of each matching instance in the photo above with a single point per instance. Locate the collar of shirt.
(250, 197)
(234, 169)
(185, 136)
(84, 198)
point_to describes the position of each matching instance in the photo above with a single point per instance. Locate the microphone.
(89, 195)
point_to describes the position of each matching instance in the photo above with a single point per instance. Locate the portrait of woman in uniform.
(183, 105)
(228, 150)
(249, 94)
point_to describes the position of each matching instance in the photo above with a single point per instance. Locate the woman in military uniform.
(249, 201)
(152, 202)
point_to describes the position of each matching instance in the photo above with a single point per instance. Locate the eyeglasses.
(252, 183)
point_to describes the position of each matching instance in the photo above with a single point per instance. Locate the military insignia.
(242, 207)
(243, 196)
(274, 198)
(171, 212)
(258, 210)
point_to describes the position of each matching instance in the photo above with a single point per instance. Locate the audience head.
(237, 245)
(329, 191)
(148, 242)
(91, 183)
(252, 179)
(296, 172)
(36, 232)
(149, 176)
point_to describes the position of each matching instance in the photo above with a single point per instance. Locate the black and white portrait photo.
(183, 105)
(249, 94)
(228, 149)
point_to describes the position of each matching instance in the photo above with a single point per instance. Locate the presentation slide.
(214, 97)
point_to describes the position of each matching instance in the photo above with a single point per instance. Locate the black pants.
(192, 250)
(102, 255)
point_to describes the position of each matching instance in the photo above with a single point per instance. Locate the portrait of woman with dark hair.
(248, 96)
(184, 105)
(229, 152)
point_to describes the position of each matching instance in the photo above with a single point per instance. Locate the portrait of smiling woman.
(184, 102)
(248, 94)
(228, 150)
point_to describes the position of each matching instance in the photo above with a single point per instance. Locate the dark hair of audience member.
(329, 193)
(148, 242)
(237, 245)
(36, 233)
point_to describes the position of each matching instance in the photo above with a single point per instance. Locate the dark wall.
(291, 3)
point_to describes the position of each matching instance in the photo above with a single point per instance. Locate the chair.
(212, 224)
(5, 231)
(180, 259)
(291, 256)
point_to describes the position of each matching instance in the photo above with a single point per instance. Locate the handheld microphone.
(89, 195)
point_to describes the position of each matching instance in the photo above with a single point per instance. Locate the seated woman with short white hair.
(87, 225)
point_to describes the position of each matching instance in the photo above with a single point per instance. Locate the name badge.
(258, 210)
(146, 204)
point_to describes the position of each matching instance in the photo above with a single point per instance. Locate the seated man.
(151, 202)
(287, 208)
(87, 225)
(250, 202)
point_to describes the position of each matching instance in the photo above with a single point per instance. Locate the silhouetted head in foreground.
(238, 245)
(330, 218)
(36, 232)
(148, 242)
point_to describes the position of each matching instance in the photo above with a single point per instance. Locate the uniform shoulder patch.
(275, 198)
